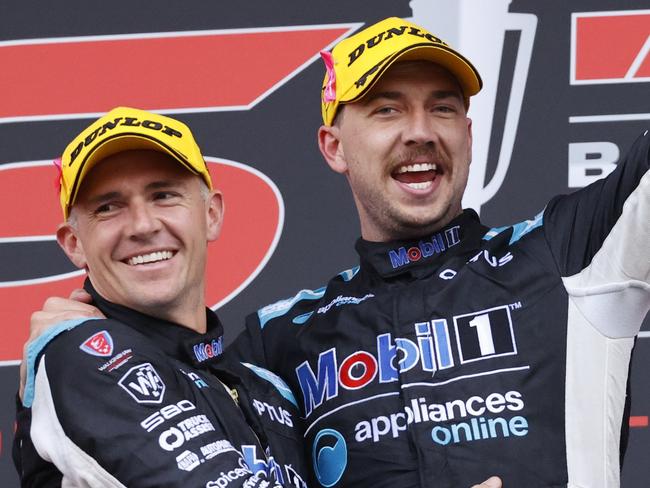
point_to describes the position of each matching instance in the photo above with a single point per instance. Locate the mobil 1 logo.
(485, 334)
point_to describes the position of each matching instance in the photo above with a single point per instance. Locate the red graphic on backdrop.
(251, 228)
(188, 70)
(611, 47)
(179, 72)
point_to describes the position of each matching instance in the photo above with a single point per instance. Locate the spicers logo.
(436, 245)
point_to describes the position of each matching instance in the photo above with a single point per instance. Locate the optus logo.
(329, 457)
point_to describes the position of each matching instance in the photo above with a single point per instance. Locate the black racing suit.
(140, 402)
(474, 351)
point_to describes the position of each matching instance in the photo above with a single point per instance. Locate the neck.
(187, 311)
(192, 319)
(189, 314)
(371, 233)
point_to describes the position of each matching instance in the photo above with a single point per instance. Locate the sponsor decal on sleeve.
(187, 461)
(143, 384)
(116, 361)
(99, 344)
(185, 430)
(215, 448)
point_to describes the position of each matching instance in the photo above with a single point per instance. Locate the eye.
(445, 109)
(385, 111)
(164, 195)
(105, 208)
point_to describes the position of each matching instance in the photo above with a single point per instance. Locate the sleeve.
(134, 420)
(600, 239)
(577, 225)
(32, 469)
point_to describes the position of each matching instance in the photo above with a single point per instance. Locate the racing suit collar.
(175, 340)
(421, 255)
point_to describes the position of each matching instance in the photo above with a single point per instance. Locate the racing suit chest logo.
(437, 244)
(479, 335)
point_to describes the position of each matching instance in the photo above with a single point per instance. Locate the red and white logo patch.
(610, 47)
(99, 344)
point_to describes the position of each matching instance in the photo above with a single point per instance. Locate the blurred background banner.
(566, 93)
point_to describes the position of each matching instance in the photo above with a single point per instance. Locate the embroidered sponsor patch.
(116, 361)
(143, 384)
(99, 344)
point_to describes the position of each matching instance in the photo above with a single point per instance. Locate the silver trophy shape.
(477, 29)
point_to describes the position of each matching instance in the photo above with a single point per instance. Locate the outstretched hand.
(56, 310)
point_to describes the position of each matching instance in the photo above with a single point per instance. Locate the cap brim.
(466, 74)
(120, 143)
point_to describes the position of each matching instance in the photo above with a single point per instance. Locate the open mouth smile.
(418, 176)
(152, 257)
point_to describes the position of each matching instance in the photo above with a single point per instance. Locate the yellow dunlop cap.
(124, 129)
(356, 63)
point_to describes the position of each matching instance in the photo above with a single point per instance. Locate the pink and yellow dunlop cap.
(356, 63)
(124, 129)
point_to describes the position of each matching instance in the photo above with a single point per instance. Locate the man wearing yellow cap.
(454, 350)
(142, 397)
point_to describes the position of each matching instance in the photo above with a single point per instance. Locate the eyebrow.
(396, 95)
(155, 185)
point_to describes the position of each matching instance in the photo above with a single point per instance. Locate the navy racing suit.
(474, 351)
(133, 400)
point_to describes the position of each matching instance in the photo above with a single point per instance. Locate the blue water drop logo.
(330, 457)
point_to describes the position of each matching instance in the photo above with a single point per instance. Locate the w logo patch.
(99, 344)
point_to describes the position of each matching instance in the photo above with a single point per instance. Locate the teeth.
(420, 186)
(150, 258)
(417, 167)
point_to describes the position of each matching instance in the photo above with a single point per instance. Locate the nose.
(143, 220)
(419, 128)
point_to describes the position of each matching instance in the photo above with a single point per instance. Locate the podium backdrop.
(567, 89)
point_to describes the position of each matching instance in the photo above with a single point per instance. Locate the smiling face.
(140, 226)
(405, 148)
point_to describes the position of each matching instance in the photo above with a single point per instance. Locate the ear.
(214, 214)
(331, 147)
(67, 238)
(469, 139)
